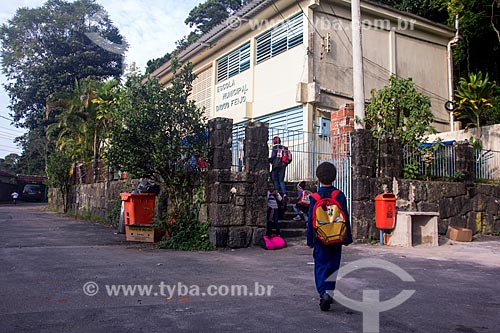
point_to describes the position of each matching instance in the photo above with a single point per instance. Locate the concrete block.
(415, 228)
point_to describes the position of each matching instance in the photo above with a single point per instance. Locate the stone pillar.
(363, 171)
(363, 154)
(218, 189)
(237, 201)
(257, 166)
(219, 139)
(464, 160)
(390, 157)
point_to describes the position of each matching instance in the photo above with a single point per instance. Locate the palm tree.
(475, 98)
(82, 123)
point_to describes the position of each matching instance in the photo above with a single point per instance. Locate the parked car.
(33, 192)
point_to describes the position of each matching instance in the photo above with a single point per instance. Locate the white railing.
(487, 164)
(439, 161)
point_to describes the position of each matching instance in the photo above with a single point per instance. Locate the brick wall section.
(342, 121)
(341, 124)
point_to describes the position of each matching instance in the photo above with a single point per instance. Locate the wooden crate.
(142, 233)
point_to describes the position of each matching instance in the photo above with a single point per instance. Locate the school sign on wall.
(232, 95)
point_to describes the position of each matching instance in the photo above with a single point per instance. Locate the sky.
(150, 27)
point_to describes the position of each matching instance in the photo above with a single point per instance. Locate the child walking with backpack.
(280, 158)
(328, 228)
(301, 208)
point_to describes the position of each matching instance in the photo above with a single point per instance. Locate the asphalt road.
(50, 264)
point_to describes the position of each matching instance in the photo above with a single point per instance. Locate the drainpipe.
(451, 43)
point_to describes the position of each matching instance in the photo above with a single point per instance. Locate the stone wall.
(99, 199)
(462, 204)
(237, 201)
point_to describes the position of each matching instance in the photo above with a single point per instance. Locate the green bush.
(184, 230)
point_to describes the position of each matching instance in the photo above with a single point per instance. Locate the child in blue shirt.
(326, 257)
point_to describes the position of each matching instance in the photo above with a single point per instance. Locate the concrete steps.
(293, 231)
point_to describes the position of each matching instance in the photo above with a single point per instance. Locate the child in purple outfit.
(301, 208)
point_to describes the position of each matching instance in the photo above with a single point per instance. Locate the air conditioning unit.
(323, 127)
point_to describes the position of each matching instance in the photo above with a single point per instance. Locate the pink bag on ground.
(273, 243)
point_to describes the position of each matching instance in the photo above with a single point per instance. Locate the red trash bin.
(138, 208)
(385, 211)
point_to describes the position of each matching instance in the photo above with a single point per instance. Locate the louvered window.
(279, 39)
(233, 63)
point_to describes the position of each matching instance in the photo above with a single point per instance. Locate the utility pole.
(357, 65)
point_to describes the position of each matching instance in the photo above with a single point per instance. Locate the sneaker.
(297, 218)
(325, 301)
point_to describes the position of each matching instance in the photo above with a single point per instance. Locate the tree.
(210, 13)
(10, 163)
(157, 131)
(479, 25)
(35, 146)
(44, 50)
(475, 100)
(155, 63)
(59, 176)
(203, 18)
(401, 110)
(82, 119)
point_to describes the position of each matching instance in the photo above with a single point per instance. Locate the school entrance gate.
(308, 151)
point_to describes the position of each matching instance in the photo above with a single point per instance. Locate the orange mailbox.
(385, 211)
(138, 208)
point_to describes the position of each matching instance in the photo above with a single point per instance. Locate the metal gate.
(308, 151)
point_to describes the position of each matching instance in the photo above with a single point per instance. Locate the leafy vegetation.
(401, 110)
(10, 163)
(475, 100)
(184, 230)
(158, 133)
(44, 51)
(58, 171)
(479, 26)
(82, 118)
(202, 18)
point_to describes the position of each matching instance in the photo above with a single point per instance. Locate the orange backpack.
(328, 219)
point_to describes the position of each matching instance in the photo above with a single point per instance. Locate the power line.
(8, 151)
(277, 10)
(6, 118)
(6, 137)
(10, 147)
(11, 130)
(307, 17)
